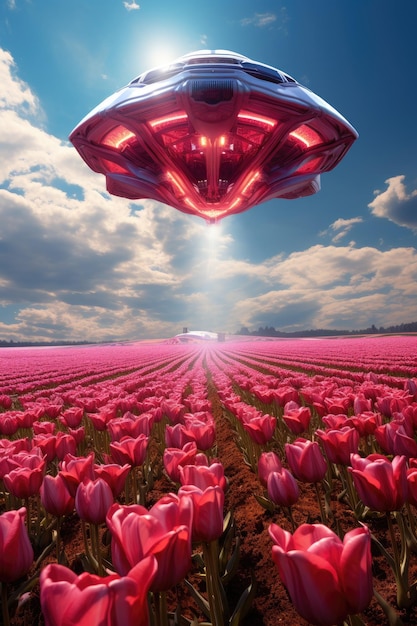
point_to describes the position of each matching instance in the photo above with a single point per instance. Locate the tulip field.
(244, 482)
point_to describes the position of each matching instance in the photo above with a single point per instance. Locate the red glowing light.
(306, 135)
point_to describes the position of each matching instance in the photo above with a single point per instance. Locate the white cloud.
(343, 226)
(259, 19)
(131, 6)
(396, 204)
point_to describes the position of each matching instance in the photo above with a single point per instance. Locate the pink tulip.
(204, 433)
(177, 436)
(55, 496)
(380, 483)
(130, 450)
(268, 462)
(115, 476)
(202, 476)
(75, 469)
(306, 460)
(16, 553)
(297, 419)
(207, 511)
(175, 458)
(282, 488)
(72, 417)
(327, 579)
(65, 444)
(394, 439)
(163, 531)
(46, 442)
(339, 444)
(93, 499)
(25, 481)
(90, 600)
(261, 428)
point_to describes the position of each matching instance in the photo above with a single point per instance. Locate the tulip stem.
(214, 590)
(400, 569)
(161, 608)
(4, 604)
(323, 515)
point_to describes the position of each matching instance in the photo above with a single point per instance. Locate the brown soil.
(271, 605)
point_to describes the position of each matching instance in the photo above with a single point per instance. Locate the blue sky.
(77, 264)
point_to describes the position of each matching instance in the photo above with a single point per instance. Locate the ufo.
(213, 134)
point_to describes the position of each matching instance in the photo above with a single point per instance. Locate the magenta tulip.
(339, 444)
(282, 488)
(25, 481)
(115, 476)
(175, 458)
(297, 419)
(268, 462)
(55, 497)
(306, 460)
(163, 531)
(93, 499)
(327, 579)
(90, 600)
(261, 428)
(208, 505)
(65, 444)
(203, 476)
(16, 552)
(177, 436)
(75, 469)
(130, 450)
(380, 483)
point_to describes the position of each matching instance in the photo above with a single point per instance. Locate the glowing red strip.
(250, 117)
(118, 136)
(306, 135)
(169, 119)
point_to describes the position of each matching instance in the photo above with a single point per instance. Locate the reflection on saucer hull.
(213, 134)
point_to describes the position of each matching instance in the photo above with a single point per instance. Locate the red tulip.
(26, 481)
(175, 458)
(394, 439)
(339, 444)
(90, 600)
(297, 419)
(93, 499)
(327, 579)
(380, 483)
(46, 442)
(72, 417)
(65, 444)
(202, 476)
(163, 531)
(55, 496)
(261, 428)
(114, 475)
(204, 433)
(177, 436)
(74, 469)
(16, 552)
(207, 511)
(268, 462)
(306, 460)
(282, 488)
(130, 450)
(412, 485)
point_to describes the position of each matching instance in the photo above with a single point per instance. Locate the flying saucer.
(212, 134)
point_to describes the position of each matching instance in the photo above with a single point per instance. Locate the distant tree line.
(270, 331)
